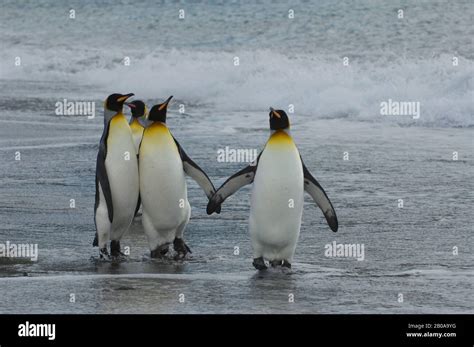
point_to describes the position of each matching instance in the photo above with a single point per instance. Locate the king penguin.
(163, 190)
(279, 178)
(117, 179)
(137, 121)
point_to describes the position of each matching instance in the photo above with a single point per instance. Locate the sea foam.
(317, 86)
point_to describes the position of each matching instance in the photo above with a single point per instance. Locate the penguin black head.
(158, 112)
(114, 102)
(278, 119)
(138, 108)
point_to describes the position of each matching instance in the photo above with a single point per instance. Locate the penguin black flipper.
(195, 172)
(233, 184)
(320, 197)
(102, 178)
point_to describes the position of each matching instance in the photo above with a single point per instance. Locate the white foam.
(318, 86)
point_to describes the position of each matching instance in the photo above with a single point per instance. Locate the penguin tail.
(95, 243)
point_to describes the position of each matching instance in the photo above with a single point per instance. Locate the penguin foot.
(286, 264)
(181, 248)
(259, 263)
(104, 254)
(275, 263)
(115, 249)
(160, 251)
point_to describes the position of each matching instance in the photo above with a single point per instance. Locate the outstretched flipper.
(320, 198)
(233, 184)
(195, 172)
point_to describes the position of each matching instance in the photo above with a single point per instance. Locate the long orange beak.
(274, 113)
(125, 97)
(165, 104)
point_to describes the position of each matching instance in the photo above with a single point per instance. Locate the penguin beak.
(274, 113)
(165, 104)
(125, 97)
(129, 104)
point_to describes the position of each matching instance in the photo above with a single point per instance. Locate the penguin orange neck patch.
(280, 137)
(119, 117)
(158, 128)
(135, 124)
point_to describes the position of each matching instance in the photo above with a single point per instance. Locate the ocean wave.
(317, 86)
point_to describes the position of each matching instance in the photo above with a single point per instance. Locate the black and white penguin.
(163, 189)
(279, 179)
(117, 179)
(137, 121)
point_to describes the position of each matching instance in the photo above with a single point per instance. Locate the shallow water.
(407, 250)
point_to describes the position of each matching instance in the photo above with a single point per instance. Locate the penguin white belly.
(122, 170)
(277, 200)
(162, 186)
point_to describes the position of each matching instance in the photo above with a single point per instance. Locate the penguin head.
(138, 108)
(158, 112)
(114, 102)
(278, 120)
